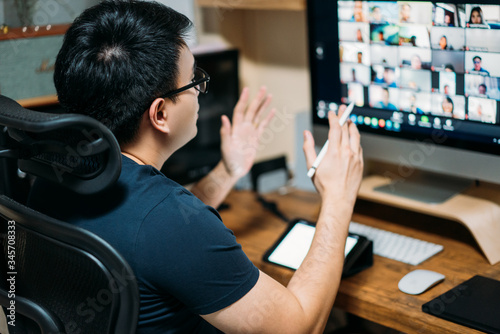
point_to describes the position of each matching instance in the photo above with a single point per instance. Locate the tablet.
(292, 247)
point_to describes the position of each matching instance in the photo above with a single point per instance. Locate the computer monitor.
(200, 155)
(425, 79)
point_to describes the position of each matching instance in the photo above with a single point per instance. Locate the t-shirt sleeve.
(186, 251)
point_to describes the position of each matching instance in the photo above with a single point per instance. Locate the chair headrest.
(73, 150)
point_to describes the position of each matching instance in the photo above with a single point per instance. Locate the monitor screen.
(416, 71)
(200, 155)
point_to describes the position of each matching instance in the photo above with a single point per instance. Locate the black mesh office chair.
(67, 280)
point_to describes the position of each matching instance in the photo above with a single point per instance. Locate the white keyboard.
(396, 246)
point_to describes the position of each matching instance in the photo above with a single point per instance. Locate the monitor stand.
(477, 207)
(426, 187)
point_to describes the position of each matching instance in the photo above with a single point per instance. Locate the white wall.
(187, 8)
(273, 47)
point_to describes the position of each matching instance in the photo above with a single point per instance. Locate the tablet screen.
(292, 250)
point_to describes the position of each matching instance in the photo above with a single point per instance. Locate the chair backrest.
(73, 150)
(13, 183)
(65, 279)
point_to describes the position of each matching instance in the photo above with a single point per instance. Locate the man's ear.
(157, 115)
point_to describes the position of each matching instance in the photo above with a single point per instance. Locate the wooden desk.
(372, 294)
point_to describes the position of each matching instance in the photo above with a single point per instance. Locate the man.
(126, 64)
(477, 66)
(482, 89)
(384, 101)
(360, 57)
(389, 77)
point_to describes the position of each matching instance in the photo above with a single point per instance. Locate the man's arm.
(214, 187)
(305, 304)
(239, 145)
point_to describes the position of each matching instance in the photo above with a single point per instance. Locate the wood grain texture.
(372, 294)
(254, 4)
(478, 208)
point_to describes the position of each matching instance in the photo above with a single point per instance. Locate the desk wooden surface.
(372, 294)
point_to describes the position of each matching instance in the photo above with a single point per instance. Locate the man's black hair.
(116, 59)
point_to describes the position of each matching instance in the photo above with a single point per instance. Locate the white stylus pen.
(322, 153)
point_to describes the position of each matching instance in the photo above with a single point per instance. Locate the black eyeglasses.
(199, 82)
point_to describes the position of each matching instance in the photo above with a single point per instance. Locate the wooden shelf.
(39, 101)
(254, 4)
(477, 208)
(34, 31)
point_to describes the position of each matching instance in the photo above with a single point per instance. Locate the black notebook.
(474, 303)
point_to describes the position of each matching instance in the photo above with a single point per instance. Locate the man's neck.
(149, 147)
(144, 156)
(134, 158)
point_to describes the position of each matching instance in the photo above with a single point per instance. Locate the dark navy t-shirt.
(185, 260)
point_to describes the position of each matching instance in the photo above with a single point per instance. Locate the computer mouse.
(419, 281)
